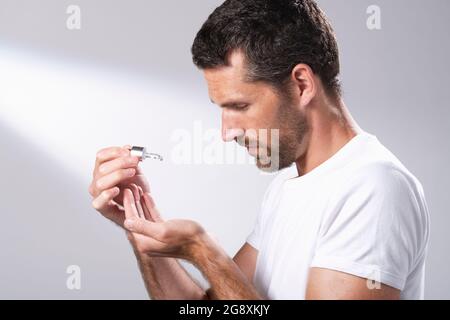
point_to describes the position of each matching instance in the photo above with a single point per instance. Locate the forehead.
(228, 82)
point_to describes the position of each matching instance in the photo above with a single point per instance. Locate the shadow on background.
(48, 225)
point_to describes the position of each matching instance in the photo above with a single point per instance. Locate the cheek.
(261, 134)
(265, 116)
(262, 124)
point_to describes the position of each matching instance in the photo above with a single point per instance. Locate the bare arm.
(229, 279)
(245, 259)
(228, 283)
(165, 278)
(326, 284)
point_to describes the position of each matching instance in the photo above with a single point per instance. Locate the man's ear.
(305, 82)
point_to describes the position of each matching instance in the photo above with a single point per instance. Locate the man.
(348, 221)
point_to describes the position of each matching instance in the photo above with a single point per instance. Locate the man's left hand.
(153, 236)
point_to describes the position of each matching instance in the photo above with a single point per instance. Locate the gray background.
(127, 77)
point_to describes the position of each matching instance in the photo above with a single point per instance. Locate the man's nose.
(230, 129)
(231, 134)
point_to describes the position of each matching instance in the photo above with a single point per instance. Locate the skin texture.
(312, 127)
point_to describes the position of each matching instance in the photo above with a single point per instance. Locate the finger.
(129, 205)
(137, 200)
(134, 189)
(114, 178)
(119, 198)
(150, 205)
(103, 201)
(153, 230)
(103, 155)
(108, 154)
(117, 164)
(147, 214)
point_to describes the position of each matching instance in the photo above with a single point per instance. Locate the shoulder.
(378, 168)
(387, 196)
(379, 208)
(386, 178)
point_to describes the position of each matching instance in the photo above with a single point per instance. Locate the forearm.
(165, 278)
(224, 276)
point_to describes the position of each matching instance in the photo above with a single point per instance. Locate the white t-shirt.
(360, 212)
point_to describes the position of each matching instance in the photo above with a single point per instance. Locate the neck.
(330, 128)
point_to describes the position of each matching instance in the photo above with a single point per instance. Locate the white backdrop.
(126, 77)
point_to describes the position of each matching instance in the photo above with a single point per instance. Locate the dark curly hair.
(275, 36)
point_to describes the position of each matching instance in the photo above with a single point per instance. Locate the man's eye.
(242, 106)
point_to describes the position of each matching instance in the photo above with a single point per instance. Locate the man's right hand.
(115, 170)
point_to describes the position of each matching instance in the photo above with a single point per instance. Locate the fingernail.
(130, 172)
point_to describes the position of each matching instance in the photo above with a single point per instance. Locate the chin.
(270, 167)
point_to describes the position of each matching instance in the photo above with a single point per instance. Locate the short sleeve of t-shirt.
(375, 227)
